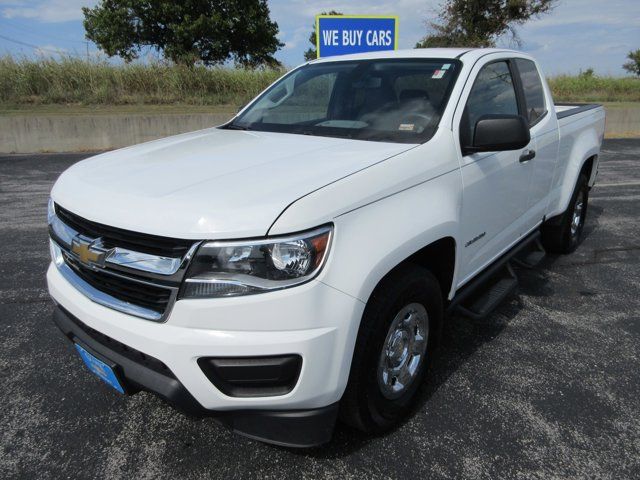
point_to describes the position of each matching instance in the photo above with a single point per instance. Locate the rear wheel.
(393, 349)
(564, 236)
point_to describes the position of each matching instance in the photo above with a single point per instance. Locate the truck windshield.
(399, 100)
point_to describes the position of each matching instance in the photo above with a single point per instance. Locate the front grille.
(117, 237)
(122, 287)
(141, 294)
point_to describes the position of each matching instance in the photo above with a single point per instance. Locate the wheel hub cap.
(404, 350)
(398, 350)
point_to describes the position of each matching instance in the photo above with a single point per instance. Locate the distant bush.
(75, 81)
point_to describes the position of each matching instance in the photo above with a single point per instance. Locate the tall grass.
(592, 88)
(75, 81)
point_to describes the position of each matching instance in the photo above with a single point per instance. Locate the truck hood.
(210, 184)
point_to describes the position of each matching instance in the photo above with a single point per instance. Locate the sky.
(576, 35)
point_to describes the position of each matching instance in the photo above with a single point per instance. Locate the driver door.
(495, 184)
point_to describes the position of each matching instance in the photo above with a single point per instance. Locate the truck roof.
(417, 53)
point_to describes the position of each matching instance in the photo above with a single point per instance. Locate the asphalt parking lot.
(546, 387)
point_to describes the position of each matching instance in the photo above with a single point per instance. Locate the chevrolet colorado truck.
(295, 265)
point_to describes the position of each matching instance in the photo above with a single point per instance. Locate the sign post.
(344, 34)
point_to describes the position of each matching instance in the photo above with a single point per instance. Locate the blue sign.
(343, 34)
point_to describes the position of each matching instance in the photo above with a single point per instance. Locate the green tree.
(588, 73)
(633, 65)
(311, 54)
(187, 31)
(479, 23)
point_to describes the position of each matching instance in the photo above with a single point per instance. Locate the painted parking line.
(618, 184)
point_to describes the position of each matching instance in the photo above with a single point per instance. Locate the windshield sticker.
(438, 74)
(406, 127)
(446, 66)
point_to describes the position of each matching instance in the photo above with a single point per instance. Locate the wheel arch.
(589, 168)
(439, 258)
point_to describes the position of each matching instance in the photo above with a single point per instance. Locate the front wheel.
(393, 349)
(565, 236)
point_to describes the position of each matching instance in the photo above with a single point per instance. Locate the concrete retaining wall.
(69, 133)
(623, 122)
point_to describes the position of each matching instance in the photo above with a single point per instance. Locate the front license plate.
(100, 369)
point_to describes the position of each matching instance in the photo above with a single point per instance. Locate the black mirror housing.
(496, 133)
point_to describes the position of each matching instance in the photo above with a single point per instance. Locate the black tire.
(558, 235)
(364, 405)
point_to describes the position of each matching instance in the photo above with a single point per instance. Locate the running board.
(531, 258)
(484, 293)
(484, 302)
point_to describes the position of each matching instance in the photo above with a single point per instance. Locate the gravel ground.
(546, 387)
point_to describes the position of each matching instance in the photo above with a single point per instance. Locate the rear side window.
(533, 92)
(492, 93)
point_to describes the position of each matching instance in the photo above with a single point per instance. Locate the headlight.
(227, 269)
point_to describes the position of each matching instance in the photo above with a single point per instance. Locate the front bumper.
(293, 428)
(315, 321)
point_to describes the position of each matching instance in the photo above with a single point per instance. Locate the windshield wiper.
(233, 126)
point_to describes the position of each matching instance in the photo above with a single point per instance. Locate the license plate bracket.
(105, 371)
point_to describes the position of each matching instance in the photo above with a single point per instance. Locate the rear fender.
(583, 146)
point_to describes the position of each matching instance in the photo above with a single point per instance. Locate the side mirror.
(496, 133)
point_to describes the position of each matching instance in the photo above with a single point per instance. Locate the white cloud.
(46, 11)
(298, 39)
(570, 12)
(50, 51)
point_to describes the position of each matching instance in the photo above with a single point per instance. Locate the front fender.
(373, 240)
(383, 214)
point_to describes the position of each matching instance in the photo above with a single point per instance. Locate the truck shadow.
(461, 338)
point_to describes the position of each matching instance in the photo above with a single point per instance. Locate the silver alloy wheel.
(403, 351)
(576, 219)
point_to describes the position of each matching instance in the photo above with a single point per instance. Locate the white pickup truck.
(296, 264)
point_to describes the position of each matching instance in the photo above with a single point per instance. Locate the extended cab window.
(392, 100)
(492, 93)
(533, 91)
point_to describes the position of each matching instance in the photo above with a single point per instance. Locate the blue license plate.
(100, 369)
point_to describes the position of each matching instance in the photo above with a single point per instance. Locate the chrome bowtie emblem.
(88, 251)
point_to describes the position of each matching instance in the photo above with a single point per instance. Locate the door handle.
(527, 155)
